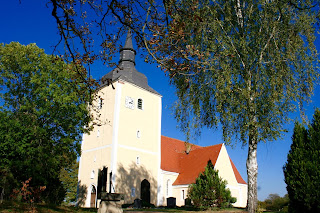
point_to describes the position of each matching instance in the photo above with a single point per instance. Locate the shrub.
(210, 190)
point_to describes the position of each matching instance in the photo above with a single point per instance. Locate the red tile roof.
(236, 173)
(175, 159)
(195, 162)
(171, 152)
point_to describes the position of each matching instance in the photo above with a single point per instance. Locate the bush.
(210, 190)
(276, 203)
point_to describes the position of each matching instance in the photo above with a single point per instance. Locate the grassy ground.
(185, 210)
(6, 207)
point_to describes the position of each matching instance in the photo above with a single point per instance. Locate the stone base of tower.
(110, 203)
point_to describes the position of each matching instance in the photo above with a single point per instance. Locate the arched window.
(169, 186)
(140, 103)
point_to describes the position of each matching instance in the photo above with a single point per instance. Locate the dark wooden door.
(145, 191)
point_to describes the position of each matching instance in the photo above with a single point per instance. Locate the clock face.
(129, 103)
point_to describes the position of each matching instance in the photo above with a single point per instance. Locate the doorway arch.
(93, 197)
(145, 191)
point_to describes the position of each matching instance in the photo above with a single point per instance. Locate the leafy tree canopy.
(43, 113)
(210, 190)
(302, 172)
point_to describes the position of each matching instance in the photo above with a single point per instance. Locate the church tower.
(124, 144)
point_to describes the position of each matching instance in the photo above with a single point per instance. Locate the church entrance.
(93, 197)
(145, 191)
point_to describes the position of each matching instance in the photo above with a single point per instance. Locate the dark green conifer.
(302, 170)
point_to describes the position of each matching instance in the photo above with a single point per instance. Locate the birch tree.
(239, 65)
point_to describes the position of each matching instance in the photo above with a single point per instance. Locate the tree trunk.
(1, 194)
(252, 172)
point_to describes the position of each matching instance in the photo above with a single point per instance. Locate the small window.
(133, 192)
(98, 133)
(92, 174)
(100, 103)
(139, 103)
(182, 195)
(169, 190)
(138, 160)
(138, 134)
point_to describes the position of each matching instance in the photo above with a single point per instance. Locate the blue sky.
(31, 22)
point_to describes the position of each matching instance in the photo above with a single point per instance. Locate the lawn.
(6, 207)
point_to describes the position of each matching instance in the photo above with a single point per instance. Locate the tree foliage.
(92, 30)
(69, 178)
(302, 172)
(43, 112)
(275, 203)
(210, 190)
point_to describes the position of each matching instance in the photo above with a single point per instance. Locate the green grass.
(187, 210)
(10, 206)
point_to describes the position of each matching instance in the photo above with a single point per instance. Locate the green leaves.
(238, 64)
(43, 113)
(302, 172)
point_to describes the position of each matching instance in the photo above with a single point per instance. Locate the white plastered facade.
(114, 142)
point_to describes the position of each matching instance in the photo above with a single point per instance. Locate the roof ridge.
(182, 141)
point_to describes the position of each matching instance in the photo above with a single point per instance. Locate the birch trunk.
(252, 172)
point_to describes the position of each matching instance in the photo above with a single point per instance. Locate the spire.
(128, 44)
(126, 69)
(127, 53)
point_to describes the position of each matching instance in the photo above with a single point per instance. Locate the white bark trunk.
(252, 172)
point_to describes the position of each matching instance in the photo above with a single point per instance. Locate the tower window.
(100, 103)
(92, 174)
(138, 160)
(139, 103)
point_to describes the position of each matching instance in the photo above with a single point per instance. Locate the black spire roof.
(126, 69)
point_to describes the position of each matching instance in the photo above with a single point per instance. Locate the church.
(125, 152)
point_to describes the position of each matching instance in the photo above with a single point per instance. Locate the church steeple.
(127, 53)
(126, 69)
